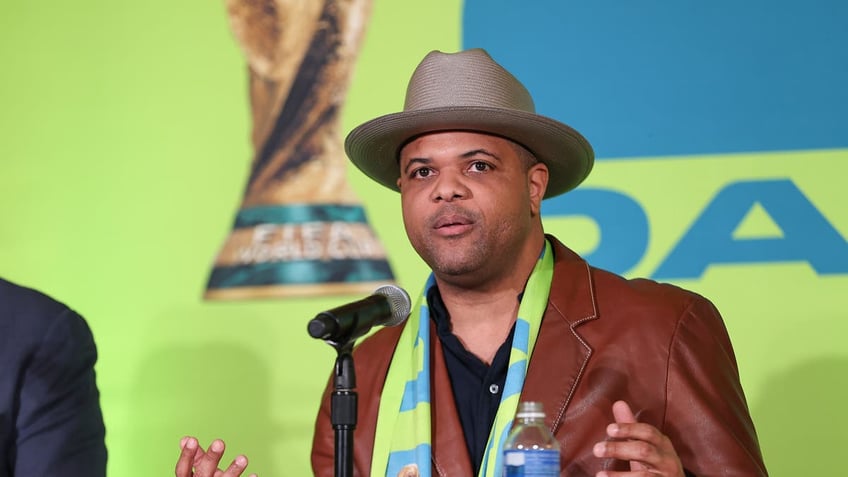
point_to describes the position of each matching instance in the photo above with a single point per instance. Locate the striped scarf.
(403, 434)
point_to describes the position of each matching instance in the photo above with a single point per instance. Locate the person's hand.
(195, 462)
(649, 451)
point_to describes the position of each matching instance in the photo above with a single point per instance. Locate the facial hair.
(464, 254)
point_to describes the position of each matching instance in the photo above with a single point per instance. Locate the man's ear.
(537, 182)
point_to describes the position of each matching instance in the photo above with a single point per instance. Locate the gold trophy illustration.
(300, 229)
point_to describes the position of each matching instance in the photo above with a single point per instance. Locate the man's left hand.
(649, 451)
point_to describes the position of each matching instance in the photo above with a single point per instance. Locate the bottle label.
(531, 463)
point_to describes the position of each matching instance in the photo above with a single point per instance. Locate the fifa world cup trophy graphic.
(300, 230)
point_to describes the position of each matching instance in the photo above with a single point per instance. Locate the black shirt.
(477, 387)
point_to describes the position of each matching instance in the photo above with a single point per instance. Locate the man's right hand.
(195, 462)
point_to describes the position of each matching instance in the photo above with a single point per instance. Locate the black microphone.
(388, 306)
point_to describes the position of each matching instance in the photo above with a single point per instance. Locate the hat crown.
(469, 78)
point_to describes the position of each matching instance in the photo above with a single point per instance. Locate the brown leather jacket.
(662, 349)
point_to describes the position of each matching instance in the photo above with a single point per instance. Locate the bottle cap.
(530, 409)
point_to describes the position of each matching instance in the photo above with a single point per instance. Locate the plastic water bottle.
(530, 448)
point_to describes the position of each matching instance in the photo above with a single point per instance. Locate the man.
(637, 378)
(472, 162)
(50, 418)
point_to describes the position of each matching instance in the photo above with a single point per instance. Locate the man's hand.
(195, 462)
(649, 451)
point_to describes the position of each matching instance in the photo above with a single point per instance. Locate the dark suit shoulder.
(28, 308)
(49, 402)
(33, 322)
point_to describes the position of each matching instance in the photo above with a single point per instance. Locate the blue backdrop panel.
(657, 78)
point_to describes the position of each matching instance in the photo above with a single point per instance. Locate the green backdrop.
(124, 136)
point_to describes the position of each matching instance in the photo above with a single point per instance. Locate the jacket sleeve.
(60, 430)
(707, 416)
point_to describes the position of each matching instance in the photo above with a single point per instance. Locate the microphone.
(388, 306)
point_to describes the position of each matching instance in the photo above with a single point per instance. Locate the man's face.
(470, 202)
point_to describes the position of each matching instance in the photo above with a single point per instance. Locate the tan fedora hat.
(469, 91)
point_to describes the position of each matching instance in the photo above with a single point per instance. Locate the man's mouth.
(451, 221)
(453, 224)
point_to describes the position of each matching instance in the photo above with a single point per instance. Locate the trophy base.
(299, 250)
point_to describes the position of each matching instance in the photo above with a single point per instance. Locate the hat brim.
(374, 146)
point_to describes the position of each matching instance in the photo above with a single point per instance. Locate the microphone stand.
(343, 408)
(339, 328)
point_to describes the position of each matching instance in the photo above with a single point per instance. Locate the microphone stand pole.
(343, 409)
(339, 328)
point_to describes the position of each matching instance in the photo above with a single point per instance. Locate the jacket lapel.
(560, 354)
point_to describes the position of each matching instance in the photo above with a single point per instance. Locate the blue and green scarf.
(403, 434)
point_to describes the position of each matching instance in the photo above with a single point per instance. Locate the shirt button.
(494, 389)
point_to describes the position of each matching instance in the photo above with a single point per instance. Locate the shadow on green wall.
(802, 416)
(209, 391)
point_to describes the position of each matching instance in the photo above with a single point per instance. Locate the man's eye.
(422, 172)
(480, 166)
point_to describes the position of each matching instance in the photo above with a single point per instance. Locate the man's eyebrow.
(416, 160)
(475, 152)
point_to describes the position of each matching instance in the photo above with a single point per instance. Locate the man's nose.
(450, 186)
